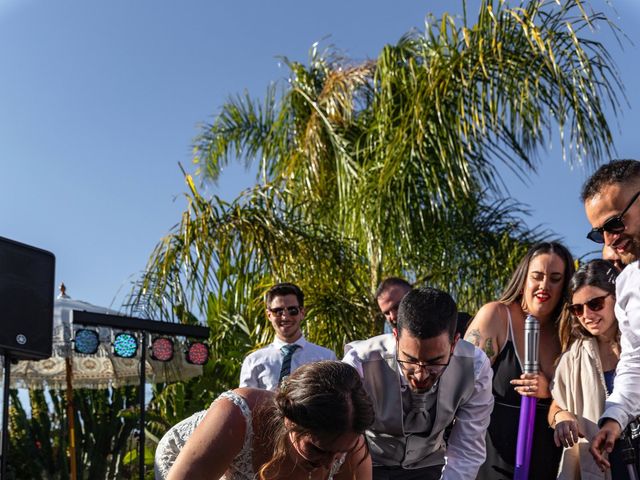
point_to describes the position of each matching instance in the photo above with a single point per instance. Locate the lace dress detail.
(336, 466)
(242, 466)
(172, 442)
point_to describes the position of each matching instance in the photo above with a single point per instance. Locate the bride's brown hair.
(325, 398)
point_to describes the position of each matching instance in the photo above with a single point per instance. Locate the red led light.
(197, 353)
(162, 349)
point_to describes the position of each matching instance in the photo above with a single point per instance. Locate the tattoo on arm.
(474, 337)
(488, 348)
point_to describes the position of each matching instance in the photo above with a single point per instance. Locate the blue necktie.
(287, 352)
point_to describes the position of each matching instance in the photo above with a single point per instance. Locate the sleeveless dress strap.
(336, 466)
(509, 331)
(242, 466)
(512, 338)
(509, 325)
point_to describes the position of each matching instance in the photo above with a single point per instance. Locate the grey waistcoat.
(388, 442)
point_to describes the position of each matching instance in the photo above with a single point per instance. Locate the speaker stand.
(5, 415)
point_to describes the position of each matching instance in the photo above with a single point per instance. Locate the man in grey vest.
(420, 379)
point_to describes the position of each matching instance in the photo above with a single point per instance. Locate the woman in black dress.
(537, 287)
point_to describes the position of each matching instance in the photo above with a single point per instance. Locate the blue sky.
(99, 101)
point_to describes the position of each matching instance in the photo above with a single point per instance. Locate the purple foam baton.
(527, 404)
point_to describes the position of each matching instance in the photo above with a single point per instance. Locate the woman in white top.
(311, 428)
(585, 373)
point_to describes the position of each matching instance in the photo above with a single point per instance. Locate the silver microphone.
(531, 344)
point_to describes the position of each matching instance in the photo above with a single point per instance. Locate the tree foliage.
(385, 167)
(39, 442)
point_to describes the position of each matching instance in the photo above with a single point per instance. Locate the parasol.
(67, 369)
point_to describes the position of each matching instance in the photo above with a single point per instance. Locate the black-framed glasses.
(278, 311)
(595, 305)
(431, 369)
(612, 225)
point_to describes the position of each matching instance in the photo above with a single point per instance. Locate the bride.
(311, 428)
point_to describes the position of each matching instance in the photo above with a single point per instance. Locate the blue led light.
(86, 341)
(125, 345)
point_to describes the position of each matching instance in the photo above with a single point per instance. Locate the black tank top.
(502, 433)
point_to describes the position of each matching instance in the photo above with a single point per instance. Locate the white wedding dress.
(242, 466)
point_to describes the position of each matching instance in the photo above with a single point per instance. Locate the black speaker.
(27, 276)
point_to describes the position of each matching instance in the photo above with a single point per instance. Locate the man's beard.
(632, 254)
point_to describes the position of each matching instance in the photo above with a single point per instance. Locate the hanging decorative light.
(125, 345)
(86, 341)
(197, 353)
(162, 349)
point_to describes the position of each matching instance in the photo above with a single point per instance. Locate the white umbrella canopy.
(67, 369)
(100, 370)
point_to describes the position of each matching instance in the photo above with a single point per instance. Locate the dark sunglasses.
(595, 305)
(613, 225)
(293, 311)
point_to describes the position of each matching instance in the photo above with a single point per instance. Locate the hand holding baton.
(527, 404)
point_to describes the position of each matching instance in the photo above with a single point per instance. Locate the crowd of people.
(437, 397)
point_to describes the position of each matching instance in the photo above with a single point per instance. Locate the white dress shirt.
(261, 369)
(466, 447)
(623, 405)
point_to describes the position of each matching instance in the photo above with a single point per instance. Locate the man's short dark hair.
(616, 171)
(389, 282)
(427, 312)
(282, 289)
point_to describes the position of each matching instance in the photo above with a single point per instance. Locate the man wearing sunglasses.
(266, 367)
(420, 379)
(612, 203)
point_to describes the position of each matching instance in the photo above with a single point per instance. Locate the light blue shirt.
(623, 405)
(261, 369)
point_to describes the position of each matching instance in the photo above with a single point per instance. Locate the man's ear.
(456, 338)
(395, 333)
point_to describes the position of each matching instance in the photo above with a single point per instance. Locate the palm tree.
(424, 127)
(383, 167)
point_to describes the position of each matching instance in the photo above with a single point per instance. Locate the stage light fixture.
(125, 345)
(197, 353)
(162, 349)
(86, 341)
